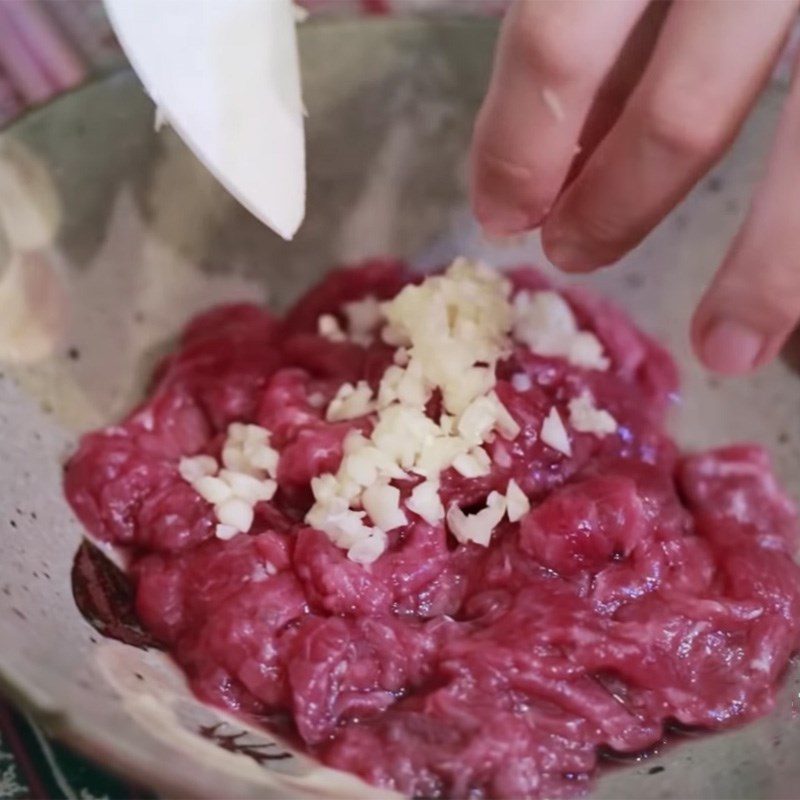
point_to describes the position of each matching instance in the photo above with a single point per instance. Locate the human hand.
(602, 114)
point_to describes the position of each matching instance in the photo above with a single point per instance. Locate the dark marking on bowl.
(105, 597)
(260, 752)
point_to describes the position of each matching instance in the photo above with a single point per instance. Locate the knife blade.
(226, 75)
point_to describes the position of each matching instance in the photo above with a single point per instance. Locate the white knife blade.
(225, 74)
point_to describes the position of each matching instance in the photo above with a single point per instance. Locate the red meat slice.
(640, 589)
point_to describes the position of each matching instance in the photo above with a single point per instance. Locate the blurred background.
(48, 47)
(51, 46)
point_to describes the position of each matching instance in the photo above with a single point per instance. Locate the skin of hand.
(602, 114)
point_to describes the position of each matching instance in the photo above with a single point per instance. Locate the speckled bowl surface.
(112, 236)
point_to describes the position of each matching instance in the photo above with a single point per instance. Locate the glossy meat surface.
(643, 587)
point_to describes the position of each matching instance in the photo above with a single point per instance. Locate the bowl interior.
(112, 236)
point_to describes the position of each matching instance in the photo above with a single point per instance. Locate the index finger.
(551, 59)
(708, 66)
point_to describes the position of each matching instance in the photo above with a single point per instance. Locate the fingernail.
(567, 253)
(501, 219)
(731, 347)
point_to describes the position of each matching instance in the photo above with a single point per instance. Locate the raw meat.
(642, 588)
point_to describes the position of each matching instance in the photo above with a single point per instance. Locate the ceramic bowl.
(112, 236)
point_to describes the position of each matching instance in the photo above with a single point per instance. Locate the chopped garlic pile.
(456, 326)
(545, 322)
(363, 318)
(585, 417)
(477, 527)
(450, 331)
(350, 402)
(247, 477)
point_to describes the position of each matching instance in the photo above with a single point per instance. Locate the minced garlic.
(247, 477)
(517, 503)
(585, 417)
(451, 329)
(545, 322)
(449, 332)
(554, 434)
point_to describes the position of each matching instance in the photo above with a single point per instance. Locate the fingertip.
(499, 219)
(697, 328)
(567, 256)
(727, 345)
(567, 251)
(498, 205)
